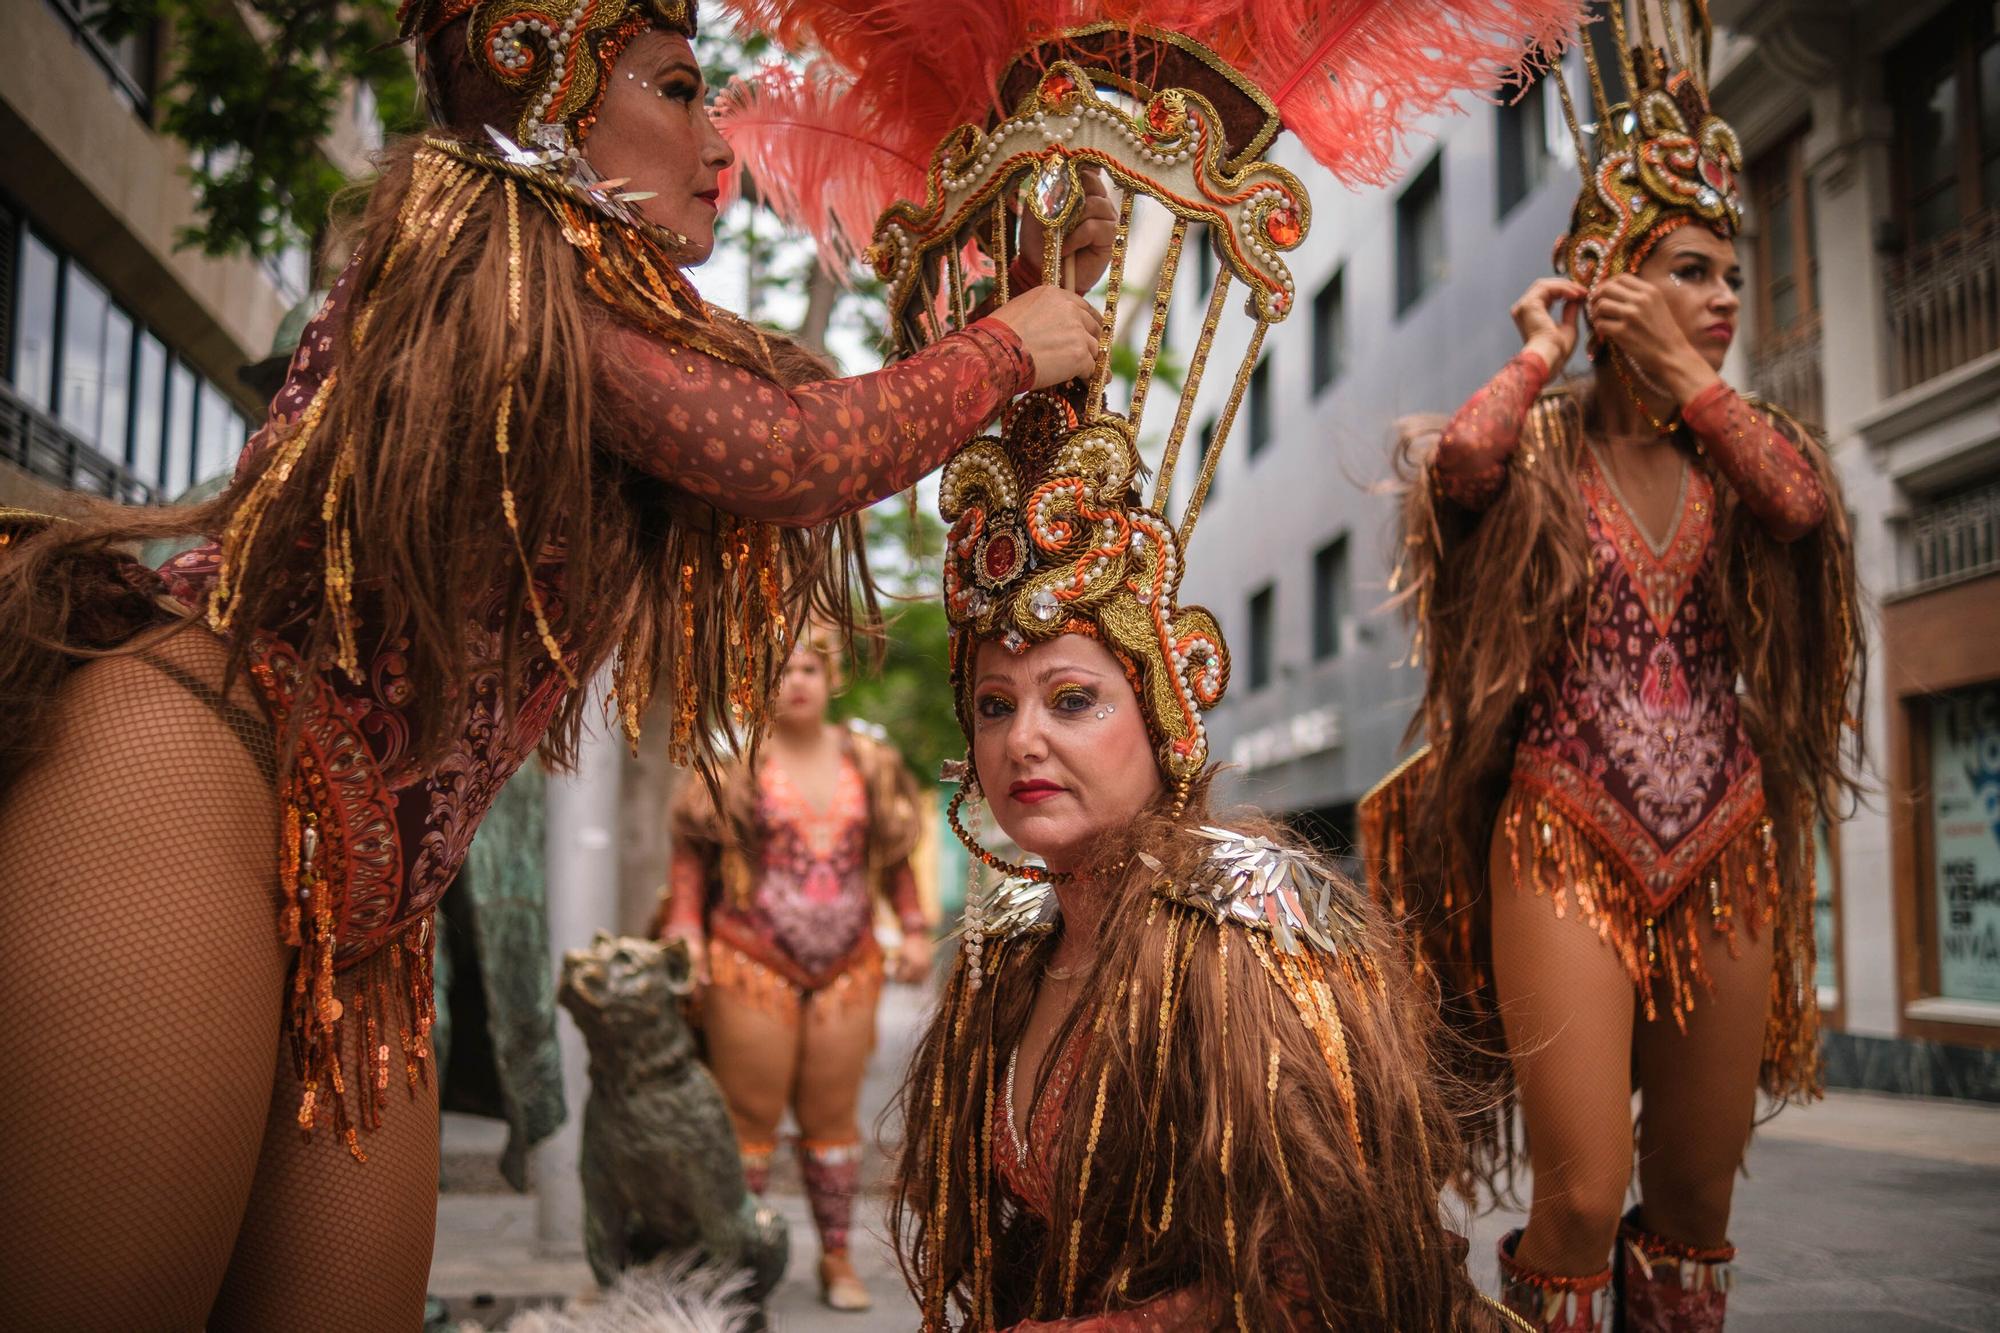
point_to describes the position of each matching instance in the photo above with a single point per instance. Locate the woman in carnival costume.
(514, 447)
(774, 889)
(1607, 847)
(1180, 1076)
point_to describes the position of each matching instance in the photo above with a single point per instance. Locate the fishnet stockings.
(142, 998)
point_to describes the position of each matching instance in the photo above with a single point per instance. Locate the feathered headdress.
(1662, 158)
(934, 121)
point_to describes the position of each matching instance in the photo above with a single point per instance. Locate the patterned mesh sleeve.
(804, 455)
(1760, 459)
(1471, 460)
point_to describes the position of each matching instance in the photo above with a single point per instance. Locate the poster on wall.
(1965, 830)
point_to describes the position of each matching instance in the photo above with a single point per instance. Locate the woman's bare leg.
(142, 993)
(1568, 1008)
(348, 1241)
(1698, 1095)
(753, 1051)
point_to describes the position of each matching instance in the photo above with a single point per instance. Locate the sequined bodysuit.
(715, 430)
(1633, 777)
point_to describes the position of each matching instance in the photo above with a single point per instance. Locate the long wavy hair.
(1211, 1151)
(413, 409)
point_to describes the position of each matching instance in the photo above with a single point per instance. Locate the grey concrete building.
(119, 350)
(1872, 137)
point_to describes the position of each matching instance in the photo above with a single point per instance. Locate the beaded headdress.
(970, 112)
(555, 56)
(1657, 157)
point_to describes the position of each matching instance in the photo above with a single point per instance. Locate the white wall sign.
(1297, 736)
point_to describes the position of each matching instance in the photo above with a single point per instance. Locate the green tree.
(252, 88)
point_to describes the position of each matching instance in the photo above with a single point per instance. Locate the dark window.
(1261, 628)
(1946, 85)
(1204, 441)
(1258, 404)
(149, 409)
(1329, 330)
(1787, 268)
(1420, 235)
(1329, 597)
(179, 473)
(1522, 147)
(35, 323)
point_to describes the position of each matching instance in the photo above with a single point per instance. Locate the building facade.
(1872, 253)
(119, 350)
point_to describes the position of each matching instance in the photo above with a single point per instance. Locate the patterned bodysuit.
(800, 456)
(1633, 779)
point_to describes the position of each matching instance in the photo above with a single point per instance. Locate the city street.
(1862, 1213)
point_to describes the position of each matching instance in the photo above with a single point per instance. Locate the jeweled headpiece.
(554, 56)
(969, 111)
(1656, 158)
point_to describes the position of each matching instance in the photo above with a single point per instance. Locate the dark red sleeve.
(801, 456)
(902, 884)
(684, 911)
(1759, 459)
(1471, 460)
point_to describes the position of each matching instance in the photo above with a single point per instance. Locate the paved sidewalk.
(1861, 1214)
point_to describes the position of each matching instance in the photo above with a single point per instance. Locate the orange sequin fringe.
(731, 969)
(1560, 859)
(343, 1055)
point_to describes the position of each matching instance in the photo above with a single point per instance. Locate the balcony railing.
(1944, 301)
(37, 443)
(1955, 538)
(1786, 369)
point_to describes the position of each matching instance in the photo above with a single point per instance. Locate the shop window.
(1420, 235)
(1263, 626)
(1826, 936)
(1329, 597)
(1964, 836)
(1329, 331)
(84, 307)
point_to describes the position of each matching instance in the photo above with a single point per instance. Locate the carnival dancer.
(1179, 1078)
(774, 892)
(1608, 845)
(514, 447)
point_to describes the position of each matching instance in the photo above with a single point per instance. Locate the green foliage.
(910, 693)
(252, 89)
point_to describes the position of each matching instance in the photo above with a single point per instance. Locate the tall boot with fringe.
(1667, 1286)
(833, 1177)
(1551, 1302)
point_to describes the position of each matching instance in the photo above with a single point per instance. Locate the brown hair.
(414, 410)
(1196, 1056)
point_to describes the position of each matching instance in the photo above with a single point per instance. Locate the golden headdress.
(970, 112)
(553, 56)
(1663, 158)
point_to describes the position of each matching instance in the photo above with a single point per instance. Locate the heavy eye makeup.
(1072, 699)
(678, 83)
(1694, 270)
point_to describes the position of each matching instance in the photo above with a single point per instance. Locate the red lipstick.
(1034, 791)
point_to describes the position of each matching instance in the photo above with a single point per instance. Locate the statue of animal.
(661, 1170)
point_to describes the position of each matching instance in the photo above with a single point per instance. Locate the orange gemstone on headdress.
(1282, 226)
(1166, 115)
(1058, 89)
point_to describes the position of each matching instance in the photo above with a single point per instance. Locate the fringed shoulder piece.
(1282, 892)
